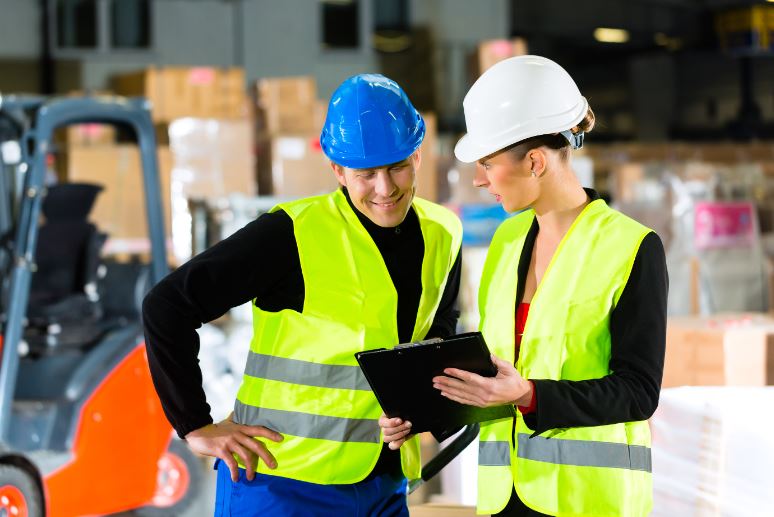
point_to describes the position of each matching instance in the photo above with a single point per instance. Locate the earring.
(534, 174)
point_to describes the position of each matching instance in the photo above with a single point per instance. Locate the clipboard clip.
(416, 343)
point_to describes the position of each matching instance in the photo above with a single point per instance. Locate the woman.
(573, 307)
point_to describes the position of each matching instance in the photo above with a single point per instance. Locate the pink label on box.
(723, 225)
(201, 75)
(502, 48)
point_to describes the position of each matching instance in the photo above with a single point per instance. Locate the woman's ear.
(537, 161)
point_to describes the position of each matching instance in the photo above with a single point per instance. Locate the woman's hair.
(555, 141)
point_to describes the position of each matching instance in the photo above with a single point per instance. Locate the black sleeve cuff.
(183, 428)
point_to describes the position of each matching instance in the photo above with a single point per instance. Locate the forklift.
(82, 431)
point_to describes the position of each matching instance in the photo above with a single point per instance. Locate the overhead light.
(608, 35)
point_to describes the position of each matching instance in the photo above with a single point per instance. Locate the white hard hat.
(516, 99)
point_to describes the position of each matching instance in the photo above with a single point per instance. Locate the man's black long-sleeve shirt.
(260, 262)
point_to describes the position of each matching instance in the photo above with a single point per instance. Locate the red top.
(522, 311)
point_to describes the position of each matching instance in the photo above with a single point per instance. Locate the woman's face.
(508, 179)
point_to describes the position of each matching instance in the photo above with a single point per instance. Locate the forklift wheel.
(178, 483)
(19, 493)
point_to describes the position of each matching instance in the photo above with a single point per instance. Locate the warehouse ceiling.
(651, 24)
(678, 31)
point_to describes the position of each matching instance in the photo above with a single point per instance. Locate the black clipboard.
(402, 380)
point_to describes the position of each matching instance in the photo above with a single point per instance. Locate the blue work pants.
(270, 496)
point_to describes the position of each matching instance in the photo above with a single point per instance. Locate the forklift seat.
(64, 309)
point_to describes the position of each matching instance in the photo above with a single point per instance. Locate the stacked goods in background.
(490, 52)
(85, 135)
(746, 30)
(213, 160)
(120, 207)
(210, 156)
(729, 349)
(712, 451)
(712, 205)
(289, 117)
(176, 92)
(290, 163)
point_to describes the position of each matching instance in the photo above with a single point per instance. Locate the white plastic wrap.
(222, 358)
(713, 452)
(728, 270)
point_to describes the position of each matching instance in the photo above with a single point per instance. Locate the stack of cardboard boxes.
(176, 92)
(210, 156)
(720, 350)
(120, 207)
(289, 118)
(493, 51)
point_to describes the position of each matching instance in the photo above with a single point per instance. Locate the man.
(366, 266)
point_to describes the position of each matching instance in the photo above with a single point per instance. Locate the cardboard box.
(427, 175)
(721, 350)
(494, 51)
(120, 207)
(85, 134)
(299, 168)
(187, 92)
(212, 158)
(441, 510)
(288, 105)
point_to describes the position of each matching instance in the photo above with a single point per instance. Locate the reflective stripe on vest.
(602, 470)
(583, 453)
(310, 426)
(301, 377)
(297, 371)
(494, 454)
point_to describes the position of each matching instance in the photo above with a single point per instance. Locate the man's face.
(383, 194)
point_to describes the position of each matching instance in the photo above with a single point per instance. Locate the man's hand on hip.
(227, 438)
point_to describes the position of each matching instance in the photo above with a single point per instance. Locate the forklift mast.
(46, 115)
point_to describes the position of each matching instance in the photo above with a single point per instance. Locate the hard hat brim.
(468, 150)
(371, 162)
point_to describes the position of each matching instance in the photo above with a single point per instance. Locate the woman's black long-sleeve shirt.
(638, 339)
(260, 262)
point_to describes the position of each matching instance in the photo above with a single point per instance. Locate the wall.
(458, 26)
(279, 42)
(19, 33)
(272, 41)
(271, 38)
(184, 33)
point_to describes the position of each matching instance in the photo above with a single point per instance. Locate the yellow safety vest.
(579, 471)
(301, 377)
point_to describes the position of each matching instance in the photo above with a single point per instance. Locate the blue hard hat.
(371, 122)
